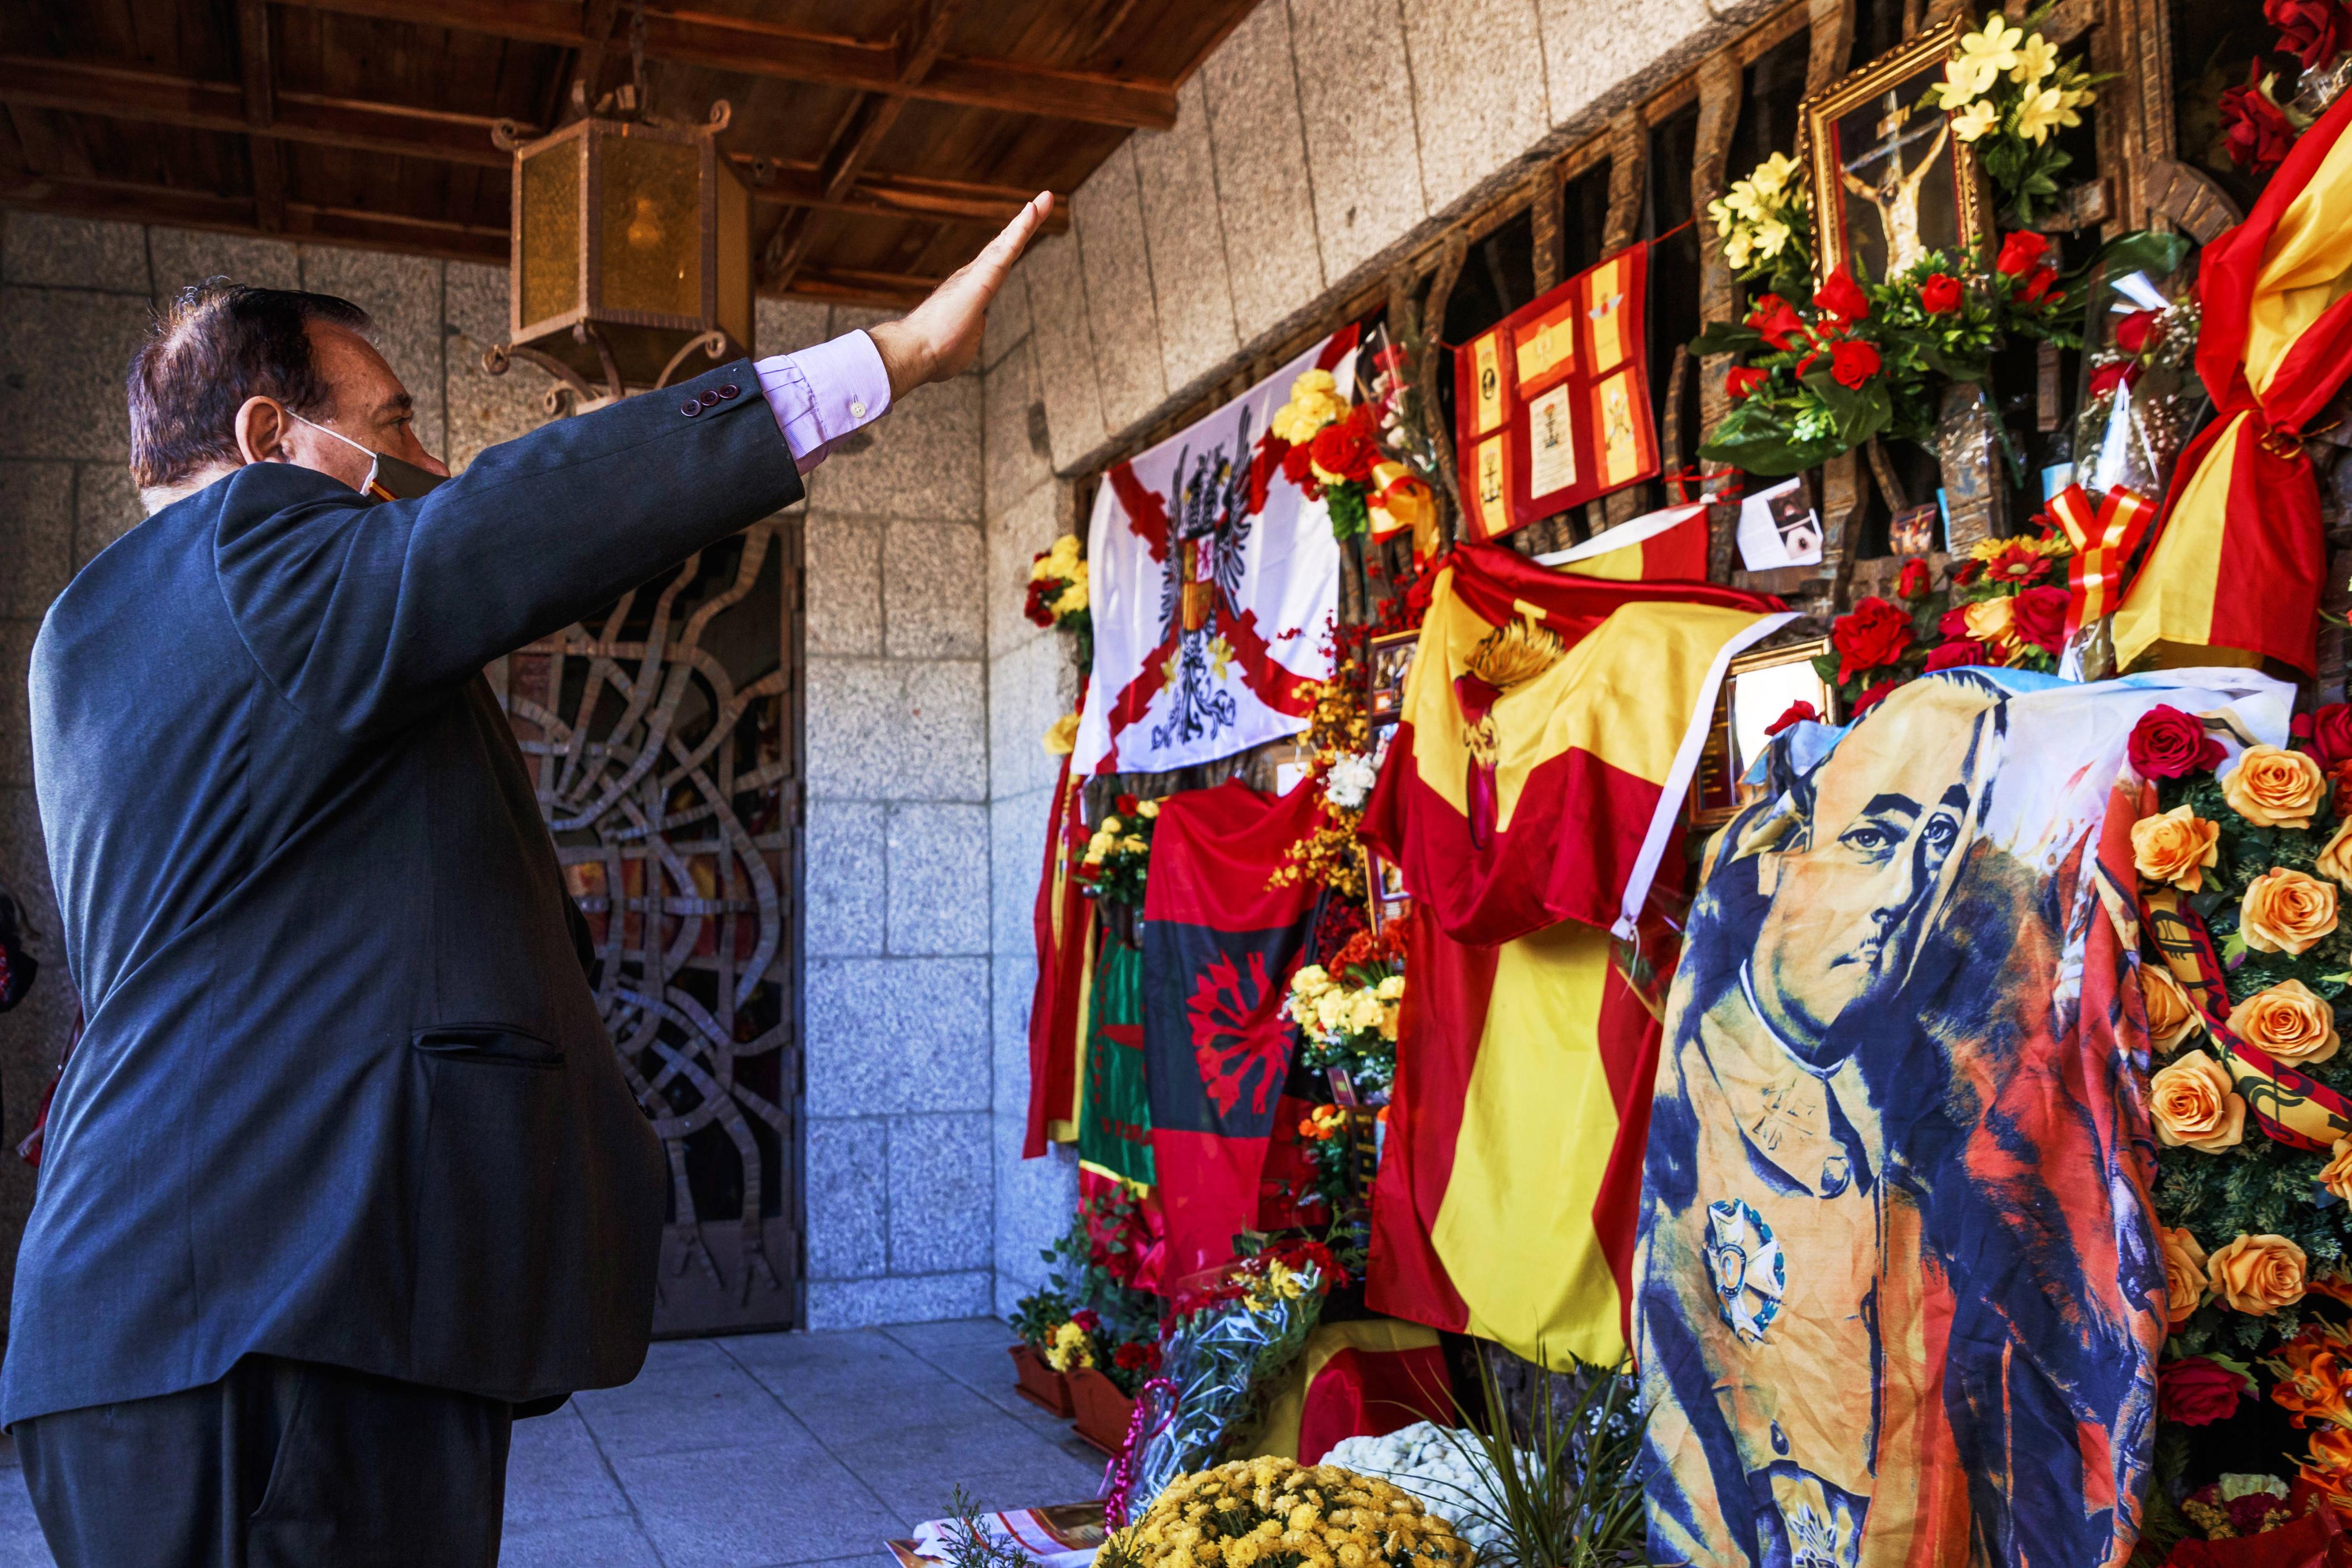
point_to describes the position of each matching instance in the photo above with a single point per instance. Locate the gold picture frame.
(1913, 216)
(1757, 687)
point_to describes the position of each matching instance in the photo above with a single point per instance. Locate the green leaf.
(1857, 413)
(1726, 338)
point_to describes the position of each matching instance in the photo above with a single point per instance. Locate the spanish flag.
(1549, 729)
(1365, 1377)
(1669, 543)
(2239, 552)
(1063, 922)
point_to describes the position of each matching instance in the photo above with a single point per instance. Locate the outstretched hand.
(939, 338)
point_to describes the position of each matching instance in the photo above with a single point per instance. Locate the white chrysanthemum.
(1348, 783)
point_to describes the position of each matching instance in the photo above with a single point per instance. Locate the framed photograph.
(1890, 182)
(1913, 531)
(1758, 689)
(1384, 889)
(1382, 733)
(1386, 663)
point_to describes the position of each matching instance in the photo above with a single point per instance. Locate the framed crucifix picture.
(1890, 180)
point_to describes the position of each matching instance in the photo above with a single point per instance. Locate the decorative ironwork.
(663, 746)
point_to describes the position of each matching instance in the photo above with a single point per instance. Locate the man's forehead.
(353, 366)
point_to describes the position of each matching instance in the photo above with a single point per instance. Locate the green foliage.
(1035, 1315)
(1081, 1279)
(1564, 1493)
(969, 1543)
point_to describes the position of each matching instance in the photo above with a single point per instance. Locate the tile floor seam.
(853, 1473)
(612, 1474)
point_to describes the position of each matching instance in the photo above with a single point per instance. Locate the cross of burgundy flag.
(1214, 583)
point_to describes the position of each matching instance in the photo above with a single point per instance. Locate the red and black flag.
(1219, 949)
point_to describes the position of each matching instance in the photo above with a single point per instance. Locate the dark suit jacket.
(344, 1095)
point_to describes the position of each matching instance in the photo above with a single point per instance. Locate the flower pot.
(1038, 1384)
(1103, 1411)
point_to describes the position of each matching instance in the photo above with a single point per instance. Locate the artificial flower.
(2020, 253)
(1977, 121)
(2331, 734)
(1071, 600)
(2193, 1102)
(2037, 285)
(2258, 1274)
(1061, 561)
(2036, 58)
(1062, 735)
(1983, 58)
(1842, 300)
(2334, 858)
(1798, 712)
(2184, 1273)
(2336, 1175)
(2014, 561)
(1873, 697)
(1990, 620)
(1940, 294)
(1743, 380)
(2313, 31)
(2255, 129)
(1776, 321)
(2289, 1021)
(2171, 1015)
(1958, 655)
(2198, 1391)
(1771, 237)
(2042, 112)
(2113, 375)
(1914, 581)
(2274, 788)
(2039, 617)
(2167, 743)
(1346, 449)
(1314, 401)
(2313, 1376)
(1854, 362)
(1349, 780)
(1873, 636)
(2176, 847)
(2286, 911)
(2133, 332)
(1771, 177)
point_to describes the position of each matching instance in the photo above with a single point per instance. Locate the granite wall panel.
(1250, 91)
(1107, 215)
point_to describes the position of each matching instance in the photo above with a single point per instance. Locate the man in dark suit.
(344, 1174)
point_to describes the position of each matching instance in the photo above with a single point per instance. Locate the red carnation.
(1873, 697)
(1915, 580)
(1798, 712)
(1085, 1320)
(2313, 31)
(2253, 127)
(1854, 362)
(1295, 466)
(1039, 608)
(1125, 805)
(2020, 253)
(1940, 295)
(2197, 1391)
(1346, 448)
(2133, 333)
(1952, 654)
(2170, 744)
(1744, 380)
(1136, 1356)
(1842, 298)
(1872, 638)
(1775, 321)
(2039, 617)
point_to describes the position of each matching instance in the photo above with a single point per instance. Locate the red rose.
(1842, 298)
(2039, 617)
(2115, 374)
(1743, 380)
(2331, 734)
(2170, 744)
(2313, 31)
(2197, 1391)
(1042, 595)
(1953, 655)
(1915, 580)
(2020, 253)
(1124, 805)
(1872, 638)
(1347, 446)
(1873, 697)
(1136, 1356)
(1798, 712)
(1953, 622)
(2253, 127)
(1854, 362)
(2133, 332)
(1939, 296)
(1085, 1320)
(1775, 321)
(2037, 284)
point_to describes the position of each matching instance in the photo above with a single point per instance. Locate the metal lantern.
(631, 249)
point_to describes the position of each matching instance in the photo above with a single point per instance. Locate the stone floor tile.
(923, 1339)
(691, 1394)
(554, 1472)
(803, 1368)
(727, 1507)
(614, 1542)
(1064, 1478)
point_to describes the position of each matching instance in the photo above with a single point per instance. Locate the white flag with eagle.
(1214, 585)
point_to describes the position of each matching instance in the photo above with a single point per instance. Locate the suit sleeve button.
(730, 390)
(710, 400)
(689, 408)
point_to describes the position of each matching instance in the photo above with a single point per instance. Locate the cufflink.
(857, 411)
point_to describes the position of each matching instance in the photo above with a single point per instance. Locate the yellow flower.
(1390, 988)
(1135, 844)
(1771, 177)
(2036, 58)
(1147, 809)
(1310, 981)
(1110, 825)
(1062, 735)
(1771, 237)
(1070, 601)
(1979, 118)
(1365, 1011)
(1996, 46)
(2043, 112)
(1314, 401)
(1740, 248)
(1990, 620)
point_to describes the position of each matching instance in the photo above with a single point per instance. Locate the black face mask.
(388, 477)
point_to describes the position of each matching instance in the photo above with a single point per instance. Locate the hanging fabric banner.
(1214, 585)
(1115, 1117)
(1063, 922)
(1550, 726)
(1898, 1294)
(1552, 403)
(1219, 950)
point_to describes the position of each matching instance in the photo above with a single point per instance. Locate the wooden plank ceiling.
(884, 139)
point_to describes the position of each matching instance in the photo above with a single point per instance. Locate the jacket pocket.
(498, 1045)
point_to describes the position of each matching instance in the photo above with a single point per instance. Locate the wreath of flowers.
(1058, 595)
(1119, 855)
(2009, 94)
(2001, 606)
(1866, 359)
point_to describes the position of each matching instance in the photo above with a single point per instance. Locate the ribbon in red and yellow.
(2103, 541)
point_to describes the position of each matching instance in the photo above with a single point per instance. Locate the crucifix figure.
(1896, 192)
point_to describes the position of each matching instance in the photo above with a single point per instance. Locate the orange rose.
(2258, 1274)
(2175, 847)
(2286, 911)
(2336, 1175)
(2171, 1016)
(2289, 1021)
(2272, 788)
(2184, 1273)
(2193, 1102)
(2336, 860)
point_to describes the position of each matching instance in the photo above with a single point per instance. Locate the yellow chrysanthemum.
(1062, 735)
(1070, 600)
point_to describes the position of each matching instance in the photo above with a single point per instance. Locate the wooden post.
(1719, 291)
(1629, 169)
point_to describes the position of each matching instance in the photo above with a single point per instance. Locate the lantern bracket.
(712, 344)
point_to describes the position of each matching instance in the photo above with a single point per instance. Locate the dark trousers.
(281, 1464)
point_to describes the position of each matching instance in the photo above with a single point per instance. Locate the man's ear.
(262, 427)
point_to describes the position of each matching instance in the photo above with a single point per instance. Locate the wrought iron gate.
(666, 739)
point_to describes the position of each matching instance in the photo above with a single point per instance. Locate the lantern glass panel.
(549, 257)
(651, 226)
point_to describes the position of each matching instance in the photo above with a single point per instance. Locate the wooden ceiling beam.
(750, 46)
(148, 96)
(262, 150)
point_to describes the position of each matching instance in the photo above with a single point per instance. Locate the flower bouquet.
(2257, 127)
(1058, 595)
(1330, 449)
(1338, 735)
(1765, 225)
(1347, 1013)
(2009, 94)
(2001, 607)
(1118, 855)
(1036, 1318)
(2144, 397)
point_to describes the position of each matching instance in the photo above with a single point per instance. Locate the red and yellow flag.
(1065, 923)
(2240, 555)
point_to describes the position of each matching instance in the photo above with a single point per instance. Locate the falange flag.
(1215, 585)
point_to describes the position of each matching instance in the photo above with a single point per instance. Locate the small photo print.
(1390, 657)
(1913, 531)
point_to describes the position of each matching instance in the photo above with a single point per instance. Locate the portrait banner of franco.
(1898, 1293)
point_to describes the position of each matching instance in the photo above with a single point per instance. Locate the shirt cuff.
(822, 394)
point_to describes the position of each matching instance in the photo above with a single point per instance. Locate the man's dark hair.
(216, 344)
